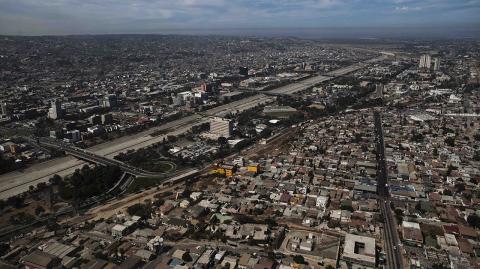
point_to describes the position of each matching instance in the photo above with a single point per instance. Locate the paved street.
(391, 240)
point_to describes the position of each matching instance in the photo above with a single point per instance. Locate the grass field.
(141, 183)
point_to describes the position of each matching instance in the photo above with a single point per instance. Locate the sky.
(365, 18)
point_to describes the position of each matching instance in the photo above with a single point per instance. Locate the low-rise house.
(39, 260)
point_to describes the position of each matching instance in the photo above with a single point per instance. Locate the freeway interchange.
(92, 157)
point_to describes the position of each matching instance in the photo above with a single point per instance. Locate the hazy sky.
(38, 17)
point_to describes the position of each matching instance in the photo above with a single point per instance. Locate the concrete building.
(119, 230)
(436, 64)
(109, 100)
(243, 71)
(279, 111)
(425, 62)
(95, 119)
(221, 127)
(379, 90)
(107, 118)
(55, 111)
(359, 250)
(412, 233)
(5, 109)
(39, 260)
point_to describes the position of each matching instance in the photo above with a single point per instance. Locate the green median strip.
(142, 183)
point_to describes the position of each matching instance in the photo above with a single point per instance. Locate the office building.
(109, 100)
(107, 118)
(359, 250)
(55, 111)
(243, 71)
(436, 64)
(221, 127)
(5, 109)
(95, 119)
(425, 62)
(379, 90)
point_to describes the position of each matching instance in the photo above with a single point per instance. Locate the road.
(18, 182)
(391, 239)
(92, 157)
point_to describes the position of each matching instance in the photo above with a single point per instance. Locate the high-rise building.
(425, 62)
(109, 100)
(243, 71)
(436, 64)
(221, 127)
(107, 118)
(5, 109)
(56, 111)
(379, 90)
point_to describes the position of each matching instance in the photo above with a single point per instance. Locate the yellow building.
(224, 169)
(253, 168)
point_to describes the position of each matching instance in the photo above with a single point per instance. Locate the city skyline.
(322, 18)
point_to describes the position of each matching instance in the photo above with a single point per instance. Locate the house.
(132, 262)
(412, 233)
(231, 261)
(264, 263)
(178, 223)
(119, 230)
(225, 169)
(206, 258)
(145, 254)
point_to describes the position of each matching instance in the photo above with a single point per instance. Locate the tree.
(440, 266)
(447, 192)
(419, 208)
(346, 207)
(16, 201)
(56, 179)
(222, 141)
(299, 259)
(39, 210)
(474, 220)
(460, 187)
(476, 156)
(186, 257)
(140, 210)
(450, 141)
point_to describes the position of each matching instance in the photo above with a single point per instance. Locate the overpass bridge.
(95, 158)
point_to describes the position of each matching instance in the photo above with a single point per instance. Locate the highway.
(18, 182)
(391, 240)
(96, 158)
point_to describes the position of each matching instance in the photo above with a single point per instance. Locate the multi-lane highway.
(95, 158)
(391, 239)
(19, 181)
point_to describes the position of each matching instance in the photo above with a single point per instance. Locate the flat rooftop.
(359, 248)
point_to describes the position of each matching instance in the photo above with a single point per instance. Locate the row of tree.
(88, 182)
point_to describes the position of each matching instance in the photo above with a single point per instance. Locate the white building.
(119, 230)
(436, 64)
(321, 201)
(425, 61)
(4, 109)
(359, 250)
(221, 127)
(55, 112)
